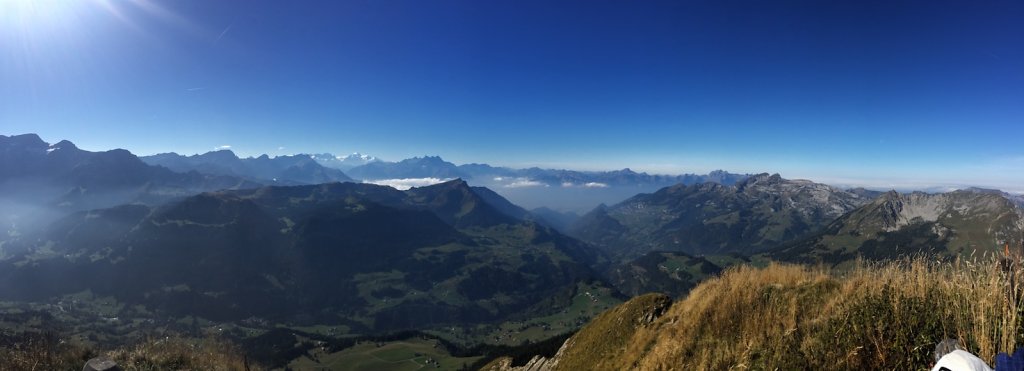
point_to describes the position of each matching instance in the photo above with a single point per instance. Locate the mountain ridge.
(958, 223)
(755, 214)
(285, 170)
(40, 182)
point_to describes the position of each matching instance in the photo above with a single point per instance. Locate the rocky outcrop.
(536, 363)
(599, 340)
(958, 223)
(101, 364)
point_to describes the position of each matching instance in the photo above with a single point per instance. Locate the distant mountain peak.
(982, 190)
(343, 162)
(357, 156)
(410, 168)
(625, 172)
(766, 177)
(64, 144)
(428, 159)
(457, 183)
(760, 179)
(221, 153)
(25, 140)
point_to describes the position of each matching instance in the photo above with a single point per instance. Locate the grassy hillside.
(875, 316)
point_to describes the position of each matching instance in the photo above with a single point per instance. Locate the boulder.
(101, 364)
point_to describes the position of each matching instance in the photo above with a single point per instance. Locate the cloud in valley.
(404, 184)
(585, 185)
(523, 183)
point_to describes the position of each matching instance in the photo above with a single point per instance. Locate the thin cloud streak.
(222, 33)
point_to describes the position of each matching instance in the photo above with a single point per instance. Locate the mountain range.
(40, 181)
(436, 167)
(759, 213)
(959, 223)
(343, 163)
(282, 170)
(370, 257)
(293, 241)
(564, 190)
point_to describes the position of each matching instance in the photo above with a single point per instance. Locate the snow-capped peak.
(356, 156)
(344, 162)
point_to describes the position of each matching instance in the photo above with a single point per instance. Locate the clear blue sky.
(872, 91)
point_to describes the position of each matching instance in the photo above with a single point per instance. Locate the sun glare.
(47, 16)
(30, 12)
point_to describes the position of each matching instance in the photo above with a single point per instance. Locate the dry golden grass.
(42, 352)
(874, 316)
(604, 338)
(171, 353)
(175, 353)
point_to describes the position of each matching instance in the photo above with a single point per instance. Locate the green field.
(412, 354)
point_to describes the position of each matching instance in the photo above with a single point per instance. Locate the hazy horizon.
(873, 182)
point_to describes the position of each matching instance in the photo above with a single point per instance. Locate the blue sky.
(853, 92)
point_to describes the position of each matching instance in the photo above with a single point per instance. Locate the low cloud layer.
(404, 184)
(523, 183)
(585, 185)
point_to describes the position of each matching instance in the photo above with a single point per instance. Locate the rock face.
(954, 223)
(756, 214)
(538, 363)
(900, 210)
(101, 364)
(603, 339)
